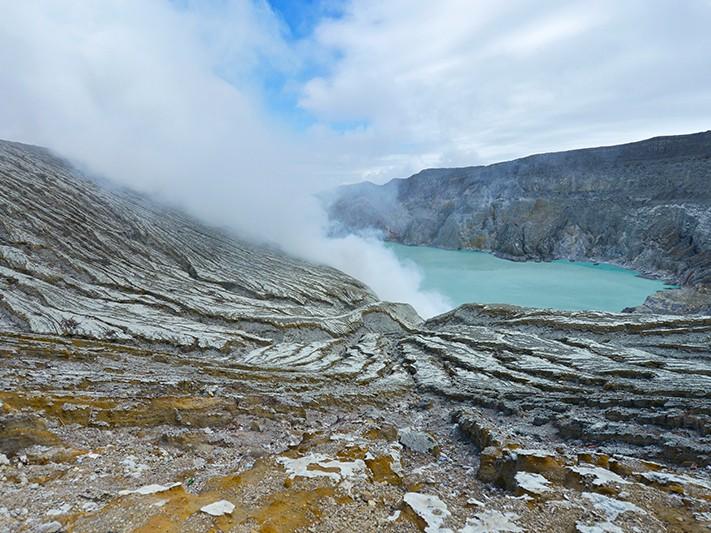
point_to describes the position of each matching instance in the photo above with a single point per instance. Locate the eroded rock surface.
(157, 375)
(81, 260)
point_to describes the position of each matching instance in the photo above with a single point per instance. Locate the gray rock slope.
(646, 205)
(79, 259)
(139, 347)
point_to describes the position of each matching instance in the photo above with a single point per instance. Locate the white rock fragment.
(68, 407)
(474, 501)
(132, 468)
(4, 461)
(532, 453)
(523, 497)
(345, 437)
(50, 527)
(600, 527)
(611, 507)
(393, 516)
(218, 508)
(417, 441)
(665, 478)
(491, 521)
(396, 464)
(533, 483)
(561, 504)
(422, 470)
(322, 466)
(431, 509)
(90, 507)
(150, 489)
(62, 509)
(597, 475)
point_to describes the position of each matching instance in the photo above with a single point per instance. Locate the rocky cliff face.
(645, 204)
(158, 375)
(79, 259)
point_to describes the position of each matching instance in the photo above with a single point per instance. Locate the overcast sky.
(463, 82)
(363, 89)
(236, 109)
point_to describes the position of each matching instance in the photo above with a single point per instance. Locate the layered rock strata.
(158, 375)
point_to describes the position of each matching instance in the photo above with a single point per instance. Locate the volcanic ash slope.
(158, 375)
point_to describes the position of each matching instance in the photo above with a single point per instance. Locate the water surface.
(465, 276)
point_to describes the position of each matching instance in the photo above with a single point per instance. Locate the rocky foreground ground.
(156, 375)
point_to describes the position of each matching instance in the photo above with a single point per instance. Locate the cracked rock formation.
(79, 259)
(160, 375)
(646, 205)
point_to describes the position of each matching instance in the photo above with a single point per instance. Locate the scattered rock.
(51, 527)
(502, 466)
(150, 489)
(530, 483)
(430, 508)
(599, 527)
(611, 507)
(61, 510)
(492, 521)
(218, 508)
(594, 476)
(418, 441)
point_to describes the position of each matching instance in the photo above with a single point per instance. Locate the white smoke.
(138, 92)
(178, 98)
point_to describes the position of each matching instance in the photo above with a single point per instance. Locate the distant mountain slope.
(645, 204)
(79, 259)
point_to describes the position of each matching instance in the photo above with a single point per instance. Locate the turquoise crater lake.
(465, 276)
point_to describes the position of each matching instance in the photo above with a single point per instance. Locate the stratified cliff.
(645, 204)
(79, 259)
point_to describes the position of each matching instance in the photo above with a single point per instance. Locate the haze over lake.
(465, 276)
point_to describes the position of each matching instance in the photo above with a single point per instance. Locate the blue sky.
(300, 19)
(302, 16)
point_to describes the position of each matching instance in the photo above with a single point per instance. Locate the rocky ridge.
(645, 205)
(79, 259)
(159, 375)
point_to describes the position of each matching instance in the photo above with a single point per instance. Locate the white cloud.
(479, 81)
(534, 36)
(137, 92)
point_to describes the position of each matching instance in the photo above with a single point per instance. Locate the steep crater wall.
(646, 205)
